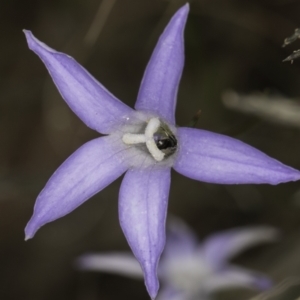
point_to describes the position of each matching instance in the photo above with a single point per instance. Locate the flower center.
(159, 139)
(188, 272)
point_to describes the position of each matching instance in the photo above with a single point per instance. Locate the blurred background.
(234, 74)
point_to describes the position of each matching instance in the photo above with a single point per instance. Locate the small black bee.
(165, 140)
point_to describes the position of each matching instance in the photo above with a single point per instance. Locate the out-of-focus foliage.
(230, 44)
(291, 39)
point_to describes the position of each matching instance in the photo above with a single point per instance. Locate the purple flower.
(188, 270)
(145, 143)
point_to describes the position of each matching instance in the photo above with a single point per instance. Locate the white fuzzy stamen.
(152, 127)
(148, 138)
(155, 152)
(130, 138)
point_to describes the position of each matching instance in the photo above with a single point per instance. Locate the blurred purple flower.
(189, 270)
(145, 144)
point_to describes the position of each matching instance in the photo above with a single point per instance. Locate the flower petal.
(216, 158)
(221, 247)
(117, 263)
(181, 240)
(86, 172)
(236, 278)
(158, 91)
(142, 210)
(89, 100)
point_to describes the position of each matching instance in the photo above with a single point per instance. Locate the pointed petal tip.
(32, 41)
(186, 7)
(151, 281)
(292, 175)
(152, 292)
(183, 11)
(28, 237)
(29, 37)
(30, 231)
(34, 44)
(297, 175)
(26, 31)
(152, 284)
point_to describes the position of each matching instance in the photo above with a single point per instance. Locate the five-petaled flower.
(145, 143)
(189, 270)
